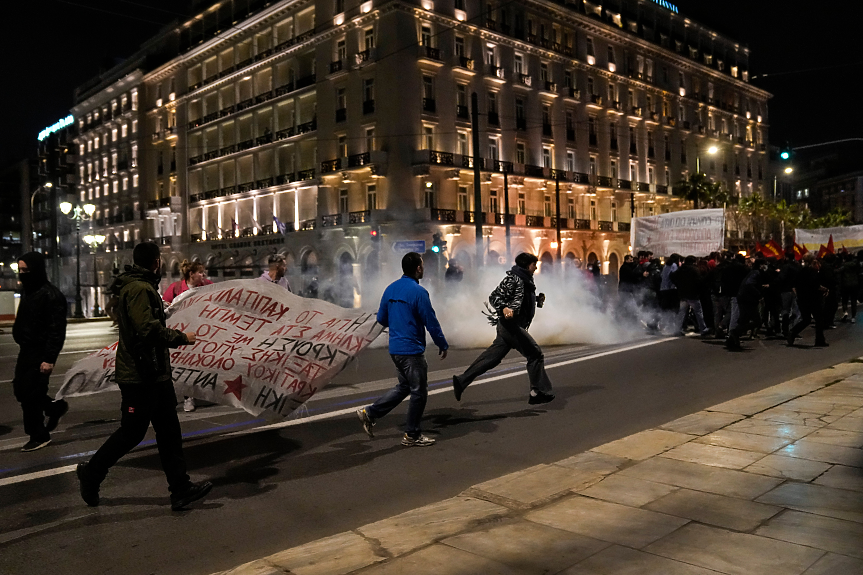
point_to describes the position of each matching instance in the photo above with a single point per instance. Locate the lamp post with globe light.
(77, 214)
(94, 241)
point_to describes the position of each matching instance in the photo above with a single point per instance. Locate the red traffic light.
(374, 233)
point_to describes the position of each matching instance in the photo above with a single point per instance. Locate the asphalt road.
(281, 487)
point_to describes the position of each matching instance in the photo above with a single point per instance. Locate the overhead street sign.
(418, 246)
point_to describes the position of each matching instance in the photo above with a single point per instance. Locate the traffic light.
(375, 234)
(786, 153)
(438, 243)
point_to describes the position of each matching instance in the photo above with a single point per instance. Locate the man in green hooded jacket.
(143, 373)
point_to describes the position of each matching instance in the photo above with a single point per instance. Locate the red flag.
(822, 252)
(759, 249)
(775, 249)
(830, 245)
(844, 250)
(799, 251)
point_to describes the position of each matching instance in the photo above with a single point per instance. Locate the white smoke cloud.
(573, 313)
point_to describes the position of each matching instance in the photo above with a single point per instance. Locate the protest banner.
(849, 237)
(258, 347)
(689, 232)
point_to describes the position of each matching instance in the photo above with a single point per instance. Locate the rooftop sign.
(59, 125)
(667, 5)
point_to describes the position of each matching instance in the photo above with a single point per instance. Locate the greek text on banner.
(258, 347)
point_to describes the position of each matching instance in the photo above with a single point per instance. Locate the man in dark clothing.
(629, 275)
(810, 298)
(407, 311)
(849, 275)
(785, 283)
(143, 373)
(748, 296)
(688, 281)
(772, 305)
(732, 277)
(515, 302)
(830, 280)
(39, 330)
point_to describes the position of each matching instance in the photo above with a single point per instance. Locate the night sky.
(808, 50)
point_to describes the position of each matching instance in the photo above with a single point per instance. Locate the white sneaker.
(189, 404)
(421, 441)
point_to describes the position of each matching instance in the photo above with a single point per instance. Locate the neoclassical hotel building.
(301, 126)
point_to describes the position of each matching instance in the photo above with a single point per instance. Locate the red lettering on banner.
(241, 339)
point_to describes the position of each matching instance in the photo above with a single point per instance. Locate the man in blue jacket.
(407, 311)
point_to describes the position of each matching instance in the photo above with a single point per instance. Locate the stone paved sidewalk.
(769, 483)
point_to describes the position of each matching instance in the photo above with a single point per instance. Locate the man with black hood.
(40, 331)
(143, 373)
(515, 302)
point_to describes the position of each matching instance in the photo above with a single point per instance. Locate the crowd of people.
(732, 295)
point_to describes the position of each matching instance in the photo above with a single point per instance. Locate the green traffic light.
(435, 249)
(785, 155)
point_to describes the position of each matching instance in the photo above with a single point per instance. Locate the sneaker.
(368, 422)
(89, 489)
(421, 441)
(456, 388)
(189, 404)
(61, 408)
(192, 493)
(35, 444)
(537, 397)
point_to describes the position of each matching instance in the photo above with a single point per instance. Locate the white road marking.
(331, 414)
(351, 410)
(37, 475)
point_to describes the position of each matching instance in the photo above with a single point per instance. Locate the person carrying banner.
(514, 301)
(276, 273)
(40, 331)
(143, 373)
(193, 276)
(407, 311)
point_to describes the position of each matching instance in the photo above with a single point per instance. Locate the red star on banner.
(235, 386)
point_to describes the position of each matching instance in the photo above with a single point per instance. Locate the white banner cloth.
(258, 347)
(850, 237)
(690, 232)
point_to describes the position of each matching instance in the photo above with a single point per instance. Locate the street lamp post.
(94, 241)
(77, 214)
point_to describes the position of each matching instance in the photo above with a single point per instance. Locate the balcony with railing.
(470, 217)
(360, 217)
(358, 160)
(467, 162)
(462, 112)
(307, 127)
(606, 226)
(303, 175)
(572, 93)
(429, 53)
(429, 105)
(337, 66)
(524, 79)
(439, 215)
(331, 220)
(496, 72)
(532, 171)
(330, 166)
(549, 87)
(307, 225)
(581, 224)
(465, 62)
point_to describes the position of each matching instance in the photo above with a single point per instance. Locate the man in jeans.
(515, 301)
(406, 310)
(143, 373)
